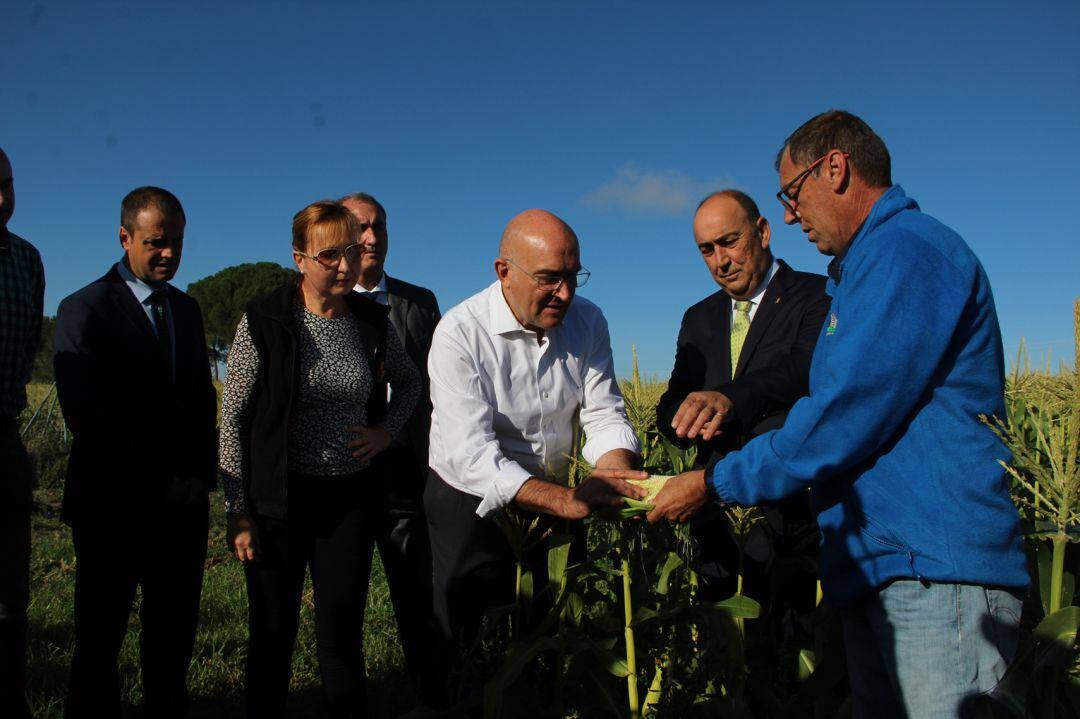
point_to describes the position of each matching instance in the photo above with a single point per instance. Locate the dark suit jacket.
(141, 442)
(774, 366)
(414, 312)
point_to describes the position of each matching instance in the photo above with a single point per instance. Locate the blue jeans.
(928, 651)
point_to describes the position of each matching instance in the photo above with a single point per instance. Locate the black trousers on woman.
(327, 528)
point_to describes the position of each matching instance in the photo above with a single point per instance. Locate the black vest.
(274, 333)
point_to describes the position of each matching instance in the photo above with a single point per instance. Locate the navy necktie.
(161, 326)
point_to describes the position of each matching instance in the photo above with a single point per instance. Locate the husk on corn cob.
(652, 484)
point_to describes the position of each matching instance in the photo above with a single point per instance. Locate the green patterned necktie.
(740, 324)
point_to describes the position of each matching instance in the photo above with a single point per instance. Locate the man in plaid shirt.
(22, 294)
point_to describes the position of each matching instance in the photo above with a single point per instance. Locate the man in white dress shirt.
(515, 370)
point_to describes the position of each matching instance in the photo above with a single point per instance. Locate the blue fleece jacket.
(904, 477)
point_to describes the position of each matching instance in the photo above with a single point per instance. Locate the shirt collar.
(140, 289)
(381, 287)
(501, 318)
(835, 270)
(760, 291)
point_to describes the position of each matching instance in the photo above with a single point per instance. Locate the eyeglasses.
(331, 256)
(787, 197)
(549, 282)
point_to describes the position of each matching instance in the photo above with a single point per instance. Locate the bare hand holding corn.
(680, 497)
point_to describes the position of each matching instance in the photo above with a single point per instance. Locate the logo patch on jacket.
(831, 329)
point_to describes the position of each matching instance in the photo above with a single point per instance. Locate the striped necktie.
(740, 324)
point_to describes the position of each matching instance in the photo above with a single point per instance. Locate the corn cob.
(652, 484)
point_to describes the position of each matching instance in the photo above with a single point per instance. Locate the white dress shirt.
(755, 299)
(380, 295)
(505, 407)
(377, 293)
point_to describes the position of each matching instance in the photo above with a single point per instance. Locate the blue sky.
(617, 116)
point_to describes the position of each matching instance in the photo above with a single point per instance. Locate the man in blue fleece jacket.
(920, 542)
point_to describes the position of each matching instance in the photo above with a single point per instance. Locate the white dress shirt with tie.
(506, 406)
(377, 293)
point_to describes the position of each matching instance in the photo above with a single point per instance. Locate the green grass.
(216, 677)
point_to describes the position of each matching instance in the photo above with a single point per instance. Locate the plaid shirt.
(22, 299)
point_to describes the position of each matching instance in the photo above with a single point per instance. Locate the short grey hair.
(366, 199)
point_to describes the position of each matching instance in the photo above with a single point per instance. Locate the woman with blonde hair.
(303, 413)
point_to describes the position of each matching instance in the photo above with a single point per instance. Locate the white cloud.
(667, 192)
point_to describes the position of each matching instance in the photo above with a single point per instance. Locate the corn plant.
(641, 399)
(742, 521)
(1042, 431)
(623, 548)
(1043, 436)
(518, 529)
(627, 633)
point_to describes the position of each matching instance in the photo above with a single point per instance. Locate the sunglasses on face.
(331, 256)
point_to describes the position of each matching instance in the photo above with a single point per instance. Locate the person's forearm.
(540, 495)
(618, 459)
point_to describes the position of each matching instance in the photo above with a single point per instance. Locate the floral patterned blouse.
(335, 381)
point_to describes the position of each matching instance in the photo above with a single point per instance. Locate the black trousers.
(15, 504)
(327, 528)
(474, 563)
(163, 553)
(401, 535)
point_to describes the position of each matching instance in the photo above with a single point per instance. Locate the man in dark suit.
(134, 383)
(742, 360)
(401, 529)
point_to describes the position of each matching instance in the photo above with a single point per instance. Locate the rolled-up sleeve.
(508, 401)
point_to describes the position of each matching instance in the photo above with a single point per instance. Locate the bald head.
(535, 228)
(7, 190)
(538, 251)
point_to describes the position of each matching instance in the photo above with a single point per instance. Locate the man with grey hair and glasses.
(920, 541)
